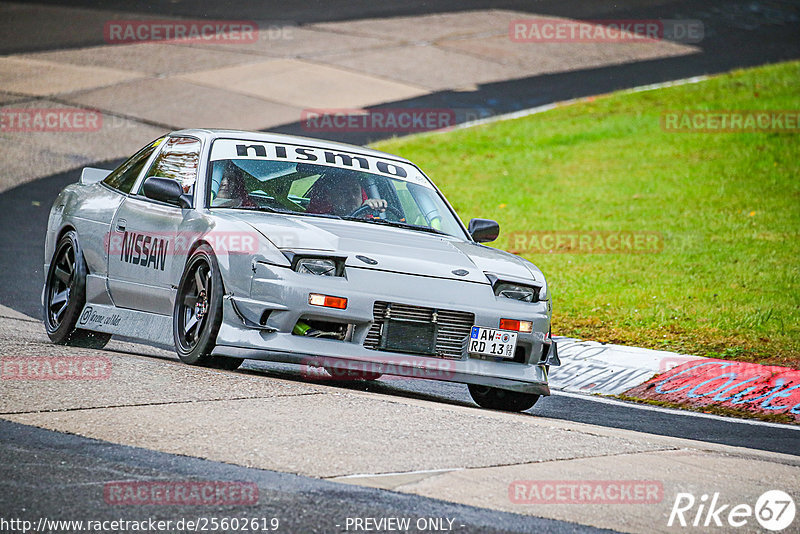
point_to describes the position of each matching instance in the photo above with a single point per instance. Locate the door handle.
(120, 227)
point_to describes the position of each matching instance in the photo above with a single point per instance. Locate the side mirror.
(166, 190)
(483, 230)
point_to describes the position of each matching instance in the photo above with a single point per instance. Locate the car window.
(178, 161)
(311, 189)
(124, 176)
(410, 207)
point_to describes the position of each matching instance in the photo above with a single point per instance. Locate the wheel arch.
(223, 268)
(234, 268)
(67, 227)
(50, 246)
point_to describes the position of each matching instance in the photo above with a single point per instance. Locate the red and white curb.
(592, 367)
(589, 367)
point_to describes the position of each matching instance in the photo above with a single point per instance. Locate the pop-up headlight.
(318, 266)
(516, 292)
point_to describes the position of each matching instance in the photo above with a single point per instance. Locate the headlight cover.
(317, 266)
(516, 292)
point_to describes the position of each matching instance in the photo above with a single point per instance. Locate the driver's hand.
(376, 203)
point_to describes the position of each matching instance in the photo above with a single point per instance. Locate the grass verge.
(725, 207)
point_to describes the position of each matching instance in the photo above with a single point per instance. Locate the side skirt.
(130, 323)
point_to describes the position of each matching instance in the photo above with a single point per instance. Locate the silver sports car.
(232, 245)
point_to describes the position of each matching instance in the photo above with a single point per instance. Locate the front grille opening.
(323, 329)
(414, 337)
(419, 330)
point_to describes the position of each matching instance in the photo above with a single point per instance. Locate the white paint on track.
(420, 472)
(547, 107)
(554, 105)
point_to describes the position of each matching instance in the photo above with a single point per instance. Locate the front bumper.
(282, 295)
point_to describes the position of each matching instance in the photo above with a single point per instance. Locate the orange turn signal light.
(517, 326)
(327, 301)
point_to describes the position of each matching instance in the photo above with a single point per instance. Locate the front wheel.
(65, 296)
(197, 314)
(502, 399)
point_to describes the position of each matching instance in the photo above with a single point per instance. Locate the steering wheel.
(361, 211)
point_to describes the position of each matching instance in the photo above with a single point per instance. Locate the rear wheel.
(198, 312)
(65, 296)
(502, 399)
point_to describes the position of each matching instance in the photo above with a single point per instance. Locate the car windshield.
(325, 190)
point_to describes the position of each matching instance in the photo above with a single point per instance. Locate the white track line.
(554, 105)
(673, 411)
(420, 472)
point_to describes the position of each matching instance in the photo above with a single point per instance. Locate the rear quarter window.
(178, 161)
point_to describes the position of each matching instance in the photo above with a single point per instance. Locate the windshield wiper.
(397, 224)
(257, 208)
(286, 212)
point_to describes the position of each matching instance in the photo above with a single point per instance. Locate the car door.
(97, 212)
(149, 257)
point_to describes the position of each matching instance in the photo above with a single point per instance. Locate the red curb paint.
(745, 386)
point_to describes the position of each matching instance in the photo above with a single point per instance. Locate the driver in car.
(340, 194)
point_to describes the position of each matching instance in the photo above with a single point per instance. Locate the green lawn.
(727, 205)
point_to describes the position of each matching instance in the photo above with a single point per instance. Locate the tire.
(65, 297)
(197, 315)
(502, 399)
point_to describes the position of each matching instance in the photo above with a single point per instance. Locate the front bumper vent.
(419, 330)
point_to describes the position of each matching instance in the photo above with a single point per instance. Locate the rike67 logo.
(774, 510)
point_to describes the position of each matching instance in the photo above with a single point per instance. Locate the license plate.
(492, 342)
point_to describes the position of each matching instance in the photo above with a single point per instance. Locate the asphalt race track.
(45, 471)
(301, 504)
